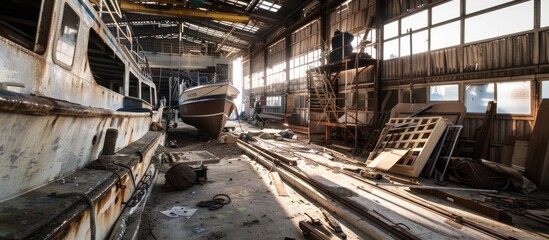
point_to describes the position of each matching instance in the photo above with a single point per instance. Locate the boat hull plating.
(208, 107)
(38, 142)
(46, 213)
(208, 116)
(65, 79)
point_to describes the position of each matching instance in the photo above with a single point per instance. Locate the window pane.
(415, 21)
(390, 49)
(505, 21)
(545, 89)
(390, 30)
(445, 36)
(445, 11)
(444, 93)
(514, 97)
(478, 96)
(477, 5)
(419, 44)
(66, 42)
(544, 13)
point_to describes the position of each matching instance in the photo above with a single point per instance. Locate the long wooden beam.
(183, 12)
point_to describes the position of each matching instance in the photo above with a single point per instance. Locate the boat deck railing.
(123, 33)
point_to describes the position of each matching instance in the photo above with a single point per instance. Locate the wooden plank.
(544, 175)
(538, 144)
(280, 189)
(342, 147)
(386, 159)
(484, 136)
(518, 159)
(455, 112)
(490, 211)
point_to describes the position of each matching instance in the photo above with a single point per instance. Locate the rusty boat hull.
(64, 83)
(208, 107)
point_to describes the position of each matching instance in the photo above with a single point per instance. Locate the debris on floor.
(176, 211)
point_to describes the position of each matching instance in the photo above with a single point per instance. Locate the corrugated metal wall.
(524, 57)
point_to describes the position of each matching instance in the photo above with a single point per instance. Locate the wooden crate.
(419, 135)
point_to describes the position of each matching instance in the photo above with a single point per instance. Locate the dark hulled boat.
(207, 107)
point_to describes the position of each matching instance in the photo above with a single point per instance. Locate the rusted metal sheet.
(39, 214)
(54, 126)
(38, 149)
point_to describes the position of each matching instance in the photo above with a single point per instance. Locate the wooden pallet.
(419, 135)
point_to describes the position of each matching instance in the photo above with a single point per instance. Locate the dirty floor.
(254, 212)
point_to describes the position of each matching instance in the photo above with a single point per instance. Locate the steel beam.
(183, 12)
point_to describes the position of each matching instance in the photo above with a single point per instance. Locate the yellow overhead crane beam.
(183, 12)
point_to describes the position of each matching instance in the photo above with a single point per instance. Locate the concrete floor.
(255, 212)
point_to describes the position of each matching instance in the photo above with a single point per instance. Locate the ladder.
(324, 97)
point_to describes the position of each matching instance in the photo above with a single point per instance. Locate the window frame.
(59, 34)
(496, 95)
(438, 85)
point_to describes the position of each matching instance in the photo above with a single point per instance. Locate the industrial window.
(444, 93)
(446, 35)
(544, 13)
(300, 64)
(274, 101)
(300, 101)
(472, 6)
(276, 73)
(390, 30)
(420, 95)
(257, 71)
(27, 23)
(420, 43)
(257, 79)
(445, 11)
(247, 83)
(246, 75)
(478, 96)
(355, 100)
(415, 21)
(390, 49)
(67, 37)
(513, 97)
(516, 18)
(545, 89)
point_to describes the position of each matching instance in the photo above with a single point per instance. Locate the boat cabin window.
(153, 97)
(146, 92)
(107, 69)
(26, 23)
(134, 86)
(67, 37)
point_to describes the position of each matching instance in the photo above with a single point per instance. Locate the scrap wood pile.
(426, 145)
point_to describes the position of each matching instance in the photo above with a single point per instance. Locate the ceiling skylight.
(236, 3)
(269, 6)
(250, 27)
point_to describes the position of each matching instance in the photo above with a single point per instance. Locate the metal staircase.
(324, 97)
